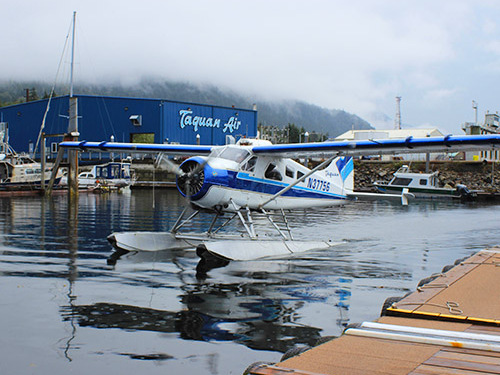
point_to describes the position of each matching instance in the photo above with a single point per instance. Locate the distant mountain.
(277, 113)
(381, 120)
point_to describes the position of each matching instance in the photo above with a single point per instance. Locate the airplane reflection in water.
(262, 316)
(263, 324)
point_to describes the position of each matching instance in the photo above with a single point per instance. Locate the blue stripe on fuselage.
(243, 181)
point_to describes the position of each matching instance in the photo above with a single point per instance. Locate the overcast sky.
(354, 55)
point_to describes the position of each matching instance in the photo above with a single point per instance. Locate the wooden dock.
(449, 325)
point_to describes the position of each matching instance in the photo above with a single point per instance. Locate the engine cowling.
(190, 182)
(198, 177)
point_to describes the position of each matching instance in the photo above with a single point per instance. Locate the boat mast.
(73, 126)
(72, 56)
(71, 135)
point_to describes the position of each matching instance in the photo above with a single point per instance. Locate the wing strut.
(283, 191)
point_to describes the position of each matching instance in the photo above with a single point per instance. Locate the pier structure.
(449, 325)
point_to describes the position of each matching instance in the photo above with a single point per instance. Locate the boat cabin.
(404, 177)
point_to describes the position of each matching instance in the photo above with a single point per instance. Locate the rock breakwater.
(481, 176)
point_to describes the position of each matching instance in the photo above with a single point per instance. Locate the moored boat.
(421, 185)
(105, 177)
(19, 172)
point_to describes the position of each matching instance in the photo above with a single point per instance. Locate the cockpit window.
(250, 165)
(234, 154)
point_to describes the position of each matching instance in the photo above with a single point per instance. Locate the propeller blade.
(170, 165)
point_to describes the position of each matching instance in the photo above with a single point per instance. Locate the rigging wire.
(103, 111)
(53, 87)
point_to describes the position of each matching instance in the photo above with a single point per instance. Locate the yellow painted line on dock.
(460, 318)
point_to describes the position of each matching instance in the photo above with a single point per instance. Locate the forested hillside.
(271, 113)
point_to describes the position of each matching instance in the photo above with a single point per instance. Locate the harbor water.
(69, 304)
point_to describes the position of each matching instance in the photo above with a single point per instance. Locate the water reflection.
(54, 253)
(263, 324)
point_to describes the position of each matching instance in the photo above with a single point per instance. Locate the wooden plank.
(488, 330)
(435, 370)
(359, 355)
(463, 365)
(424, 323)
(264, 369)
(473, 351)
(468, 357)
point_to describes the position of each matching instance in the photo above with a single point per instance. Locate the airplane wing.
(170, 149)
(449, 143)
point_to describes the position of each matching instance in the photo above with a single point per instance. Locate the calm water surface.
(65, 310)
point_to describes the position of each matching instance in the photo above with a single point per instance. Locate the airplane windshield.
(234, 154)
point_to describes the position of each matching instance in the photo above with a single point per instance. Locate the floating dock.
(449, 325)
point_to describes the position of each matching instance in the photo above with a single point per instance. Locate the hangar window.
(142, 137)
(54, 147)
(136, 120)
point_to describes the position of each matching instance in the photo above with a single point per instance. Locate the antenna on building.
(474, 107)
(397, 120)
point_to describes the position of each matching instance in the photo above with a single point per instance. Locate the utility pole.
(397, 120)
(474, 107)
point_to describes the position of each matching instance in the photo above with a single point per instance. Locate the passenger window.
(272, 173)
(289, 172)
(299, 174)
(423, 182)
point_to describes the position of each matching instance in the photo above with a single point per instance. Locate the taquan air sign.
(195, 122)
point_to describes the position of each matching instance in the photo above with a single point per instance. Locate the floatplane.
(254, 177)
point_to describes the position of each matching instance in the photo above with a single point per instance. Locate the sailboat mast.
(72, 127)
(71, 135)
(72, 55)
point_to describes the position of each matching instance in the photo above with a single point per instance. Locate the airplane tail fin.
(341, 171)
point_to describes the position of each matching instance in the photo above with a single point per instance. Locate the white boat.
(421, 185)
(19, 172)
(109, 176)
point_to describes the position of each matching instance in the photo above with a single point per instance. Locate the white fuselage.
(234, 178)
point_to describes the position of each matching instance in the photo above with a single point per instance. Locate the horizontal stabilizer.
(403, 197)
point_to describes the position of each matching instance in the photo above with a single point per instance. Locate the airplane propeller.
(191, 181)
(190, 174)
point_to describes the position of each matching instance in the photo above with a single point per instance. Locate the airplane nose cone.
(191, 181)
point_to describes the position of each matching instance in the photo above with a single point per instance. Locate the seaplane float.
(234, 183)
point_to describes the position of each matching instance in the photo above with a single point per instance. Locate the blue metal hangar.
(122, 119)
